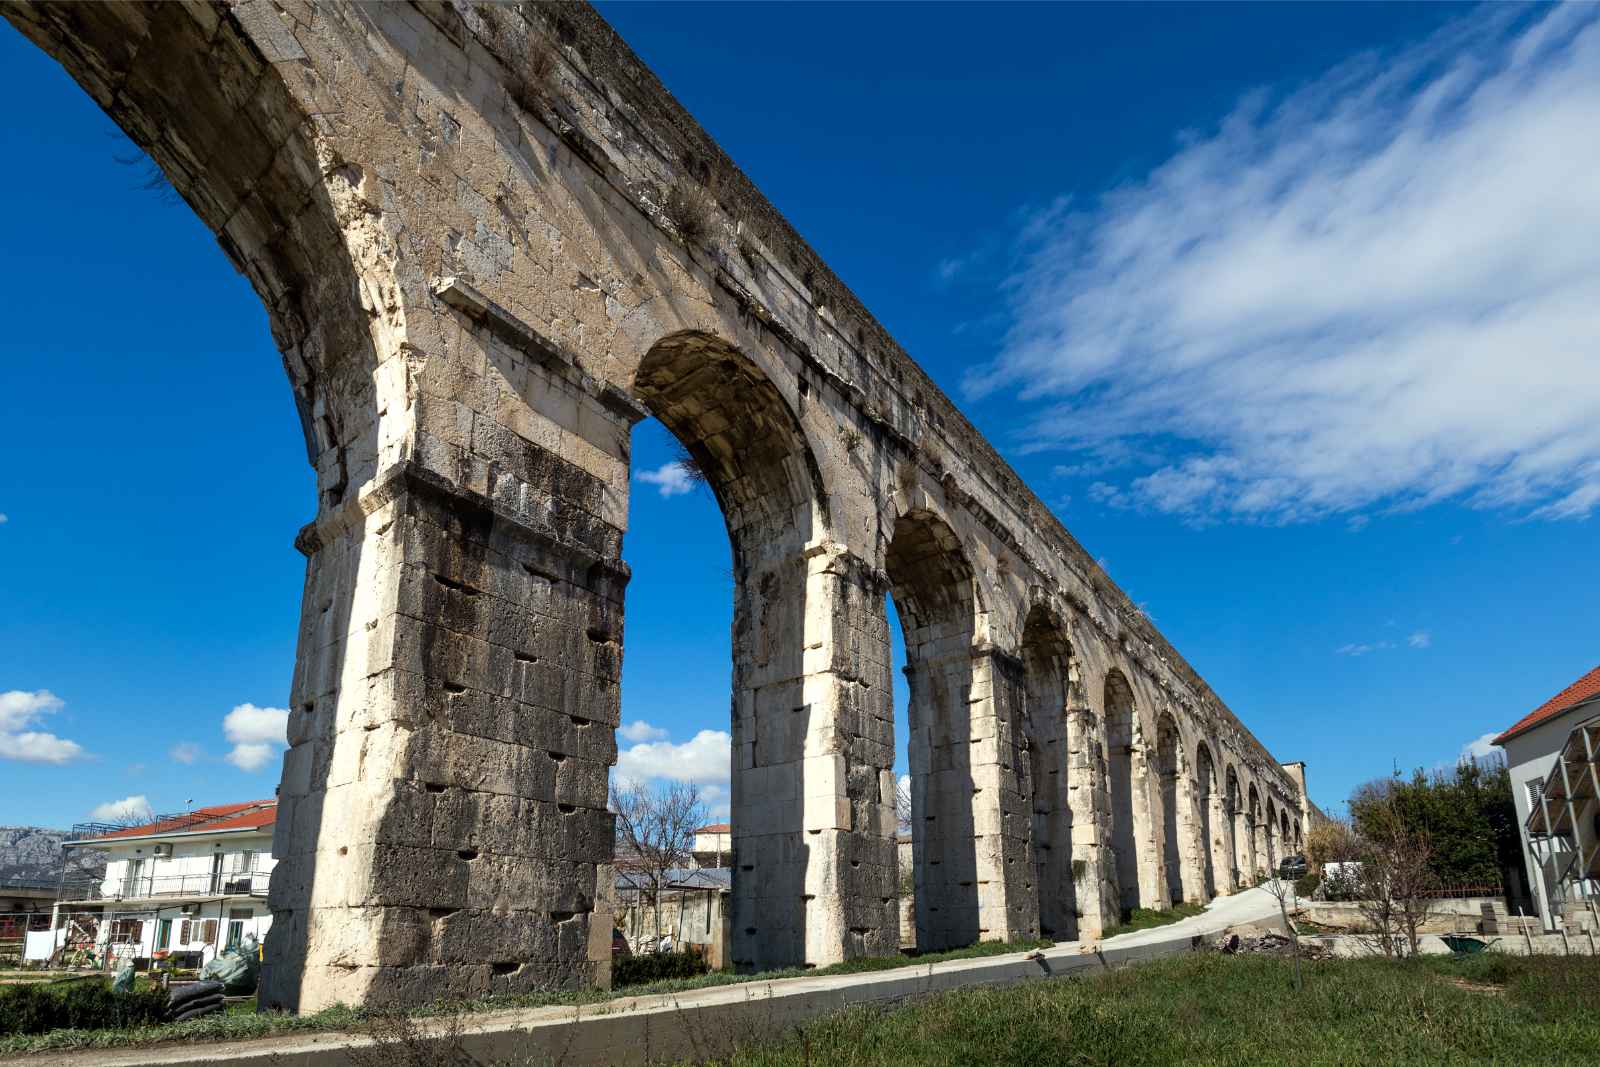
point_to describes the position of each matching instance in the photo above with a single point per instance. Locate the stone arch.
(1050, 674)
(1126, 782)
(803, 805)
(1289, 843)
(743, 438)
(1256, 827)
(188, 85)
(1173, 789)
(1208, 797)
(1238, 832)
(1274, 843)
(932, 585)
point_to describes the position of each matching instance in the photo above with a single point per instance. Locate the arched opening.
(1273, 841)
(1257, 829)
(1050, 672)
(1169, 765)
(1125, 781)
(1238, 832)
(1287, 836)
(932, 586)
(1208, 797)
(802, 798)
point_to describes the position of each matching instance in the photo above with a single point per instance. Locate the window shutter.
(210, 937)
(1535, 791)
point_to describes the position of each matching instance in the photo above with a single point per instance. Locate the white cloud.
(1379, 291)
(641, 731)
(251, 755)
(4, 518)
(135, 809)
(257, 735)
(706, 758)
(185, 752)
(20, 709)
(672, 479)
(1480, 748)
(1420, 639)
(716, 798)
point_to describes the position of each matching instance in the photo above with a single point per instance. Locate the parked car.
(619, 944)
(1293, 867)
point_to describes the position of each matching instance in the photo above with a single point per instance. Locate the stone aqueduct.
(489, 242)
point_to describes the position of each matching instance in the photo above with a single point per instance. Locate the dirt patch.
(1475, 987)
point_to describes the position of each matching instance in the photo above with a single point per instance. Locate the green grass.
(1242, 1010)
(241, 1022)
(1147, 918)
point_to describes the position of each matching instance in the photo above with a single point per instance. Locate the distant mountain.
(33, 854)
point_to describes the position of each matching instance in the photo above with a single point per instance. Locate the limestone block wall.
(490, 242)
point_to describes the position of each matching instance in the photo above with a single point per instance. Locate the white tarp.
(41, 944)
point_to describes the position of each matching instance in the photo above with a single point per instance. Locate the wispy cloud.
(1378, 291)
(258, 735)
(671, 479)
(1417, 639)
(1363, 648)
(185, 752)
(4, 518)
(21, 709)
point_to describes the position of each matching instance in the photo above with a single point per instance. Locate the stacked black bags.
(194, 1000)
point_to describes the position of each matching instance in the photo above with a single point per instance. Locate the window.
(1535, 788)
(236, 920)
(163, 934)
(209, 936)
(183, 932)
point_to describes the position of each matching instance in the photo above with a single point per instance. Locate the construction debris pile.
(1270, 943)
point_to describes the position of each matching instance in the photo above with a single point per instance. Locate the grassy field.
(241, 1021)
(1227, 1010)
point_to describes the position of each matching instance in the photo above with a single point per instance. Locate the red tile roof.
(249, 815)
(1579, 691)
(715, 828)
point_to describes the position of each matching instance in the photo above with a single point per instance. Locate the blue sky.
(1288, 311)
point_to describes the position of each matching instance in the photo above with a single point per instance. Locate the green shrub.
(1305, 885)
(79, 1005)
(634, 970)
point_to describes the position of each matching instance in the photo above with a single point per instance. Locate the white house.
(713, 845)
(183, 887)
(1550, 841)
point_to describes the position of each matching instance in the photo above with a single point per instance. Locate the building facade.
(1551, 844)
(182, 887)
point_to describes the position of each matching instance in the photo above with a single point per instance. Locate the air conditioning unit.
(163, 850)
(191, 909)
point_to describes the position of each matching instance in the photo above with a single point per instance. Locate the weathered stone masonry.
(489, 242)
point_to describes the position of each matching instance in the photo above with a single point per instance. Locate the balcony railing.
(251, 882)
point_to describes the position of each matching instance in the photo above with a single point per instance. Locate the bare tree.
(902, 805)
(1283, 891)
(655, 834)
(1395, 877)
